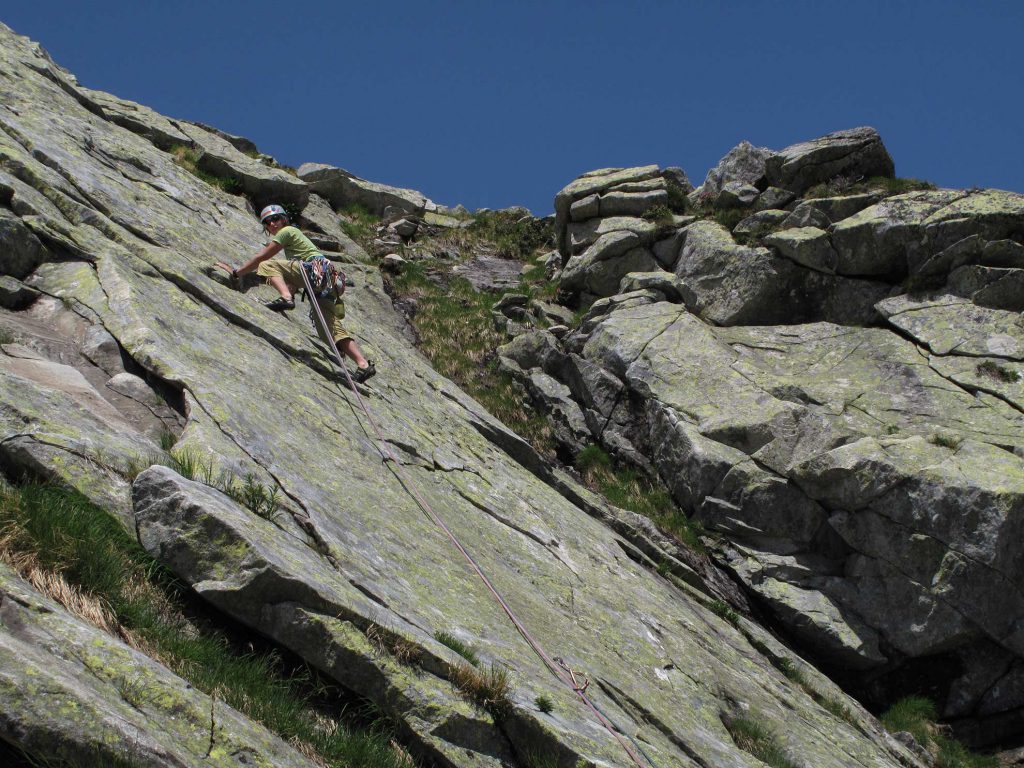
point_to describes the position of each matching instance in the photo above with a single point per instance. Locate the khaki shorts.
(291, 272)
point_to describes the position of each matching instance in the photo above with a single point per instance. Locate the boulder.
(807, 246)
(773, 198)
(615, 203)
(14, 294)
(670, 286)
(744, 164)
(736, 194)
(592, 183)
(20, 250)
(344, 189)
(806, 215)
(856, 152)
(734, 284)
(761, 222)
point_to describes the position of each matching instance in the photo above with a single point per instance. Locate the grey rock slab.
(343, 189)
(857, 152)
(842, 206)
(998, 376)
(807, 246)
(588, 207)
(952, 325)
(590, 183)
(488, 273)
(138, 118)
(806, 215)
(69, 690)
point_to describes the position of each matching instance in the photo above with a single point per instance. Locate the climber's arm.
(271, 250)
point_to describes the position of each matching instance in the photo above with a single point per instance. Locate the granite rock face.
(837, 391)
(351, 567)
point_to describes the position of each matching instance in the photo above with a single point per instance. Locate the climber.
(286, 277)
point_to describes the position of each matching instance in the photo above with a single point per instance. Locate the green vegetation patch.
(458, 312)
(489, 690)
(755, 737)
(464, 650)
(60, 532)
(515, 235)
(188, 158)
(626, 488)
(359, 224)
(916, 715)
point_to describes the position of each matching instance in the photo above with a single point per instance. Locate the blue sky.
(495, 104)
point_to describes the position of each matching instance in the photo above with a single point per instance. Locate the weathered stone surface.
(630, 203)
(952, 325)
(587, 208)
(807, 246)
(343, 189)
(989, 286)
(855, 152)
(842, 207)
(137, 118)
(599, 270)
(487, 273)
(584, 234)
(734, 284)
(69, 692)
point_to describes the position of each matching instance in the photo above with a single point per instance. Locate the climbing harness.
(555, 665)
(322, 278)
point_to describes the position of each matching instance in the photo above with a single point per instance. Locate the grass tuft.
(945, 440)
(188, 158)
(998, 372)
(913, 714)
(490, 690)
(544, 704)
(464, 650)
(754, 737)
(359, 224)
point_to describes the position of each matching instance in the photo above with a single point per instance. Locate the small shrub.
(730, 217)
(7, 337)
(544, 704)
(754, 737)
(945, 441)
(678, 202)
(490, 691)
(659, 213)
(993, 370)
(722, 609)
(593, 458)
(465, 651)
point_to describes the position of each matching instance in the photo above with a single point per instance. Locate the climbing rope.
(554, 664)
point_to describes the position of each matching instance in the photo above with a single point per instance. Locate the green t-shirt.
(296, 245)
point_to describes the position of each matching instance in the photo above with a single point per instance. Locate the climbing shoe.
(362, 374)
(281, 304)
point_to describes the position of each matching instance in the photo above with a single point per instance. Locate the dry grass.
(490, 690)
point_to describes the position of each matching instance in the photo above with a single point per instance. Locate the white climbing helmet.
(272, 210)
